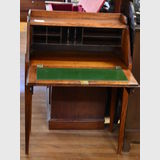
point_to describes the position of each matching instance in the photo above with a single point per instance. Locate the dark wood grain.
(77, 108)
(117, 6)
(55, 124)
(28, 116)
(122, 120)
(112, 107)
(126, 50)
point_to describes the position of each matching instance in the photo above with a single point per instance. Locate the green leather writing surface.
(80, 74)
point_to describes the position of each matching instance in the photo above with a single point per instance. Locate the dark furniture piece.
(79, 56)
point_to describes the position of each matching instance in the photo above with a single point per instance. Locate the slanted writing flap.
(80, 74)
(32, 80)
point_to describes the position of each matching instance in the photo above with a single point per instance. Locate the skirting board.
(76, 125)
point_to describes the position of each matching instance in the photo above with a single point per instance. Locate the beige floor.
(64, 145)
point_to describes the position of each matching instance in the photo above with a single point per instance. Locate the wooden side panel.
(126, 50)
(28, 43)
(28, 116)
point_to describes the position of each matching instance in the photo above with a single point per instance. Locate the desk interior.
(83, 52)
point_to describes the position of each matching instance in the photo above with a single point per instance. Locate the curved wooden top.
(77, 19)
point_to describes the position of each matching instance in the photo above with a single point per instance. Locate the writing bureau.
(78, 50)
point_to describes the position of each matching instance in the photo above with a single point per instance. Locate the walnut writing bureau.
(83, 50)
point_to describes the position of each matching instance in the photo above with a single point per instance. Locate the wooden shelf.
(99, 20)
(78, 61)
(74, 45)
(103, 36)
(45, 34)
(75, 37)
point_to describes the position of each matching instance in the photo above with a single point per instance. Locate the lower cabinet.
(77, 107)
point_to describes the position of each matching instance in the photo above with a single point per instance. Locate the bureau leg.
(112, 108)
(28, 114)
(122, 120)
